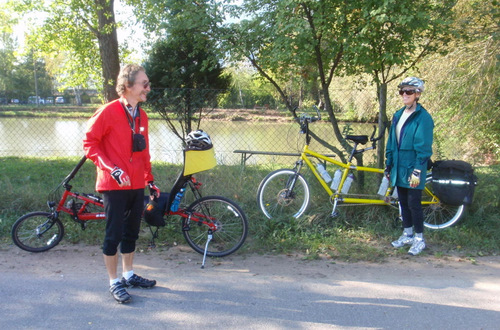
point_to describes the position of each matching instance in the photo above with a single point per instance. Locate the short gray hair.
(126, 77)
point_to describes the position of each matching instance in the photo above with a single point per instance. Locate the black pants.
(123, 210)
(411, 208)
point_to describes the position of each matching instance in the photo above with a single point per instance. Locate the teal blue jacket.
(414, 148)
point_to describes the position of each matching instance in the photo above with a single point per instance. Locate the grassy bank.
(359, 233)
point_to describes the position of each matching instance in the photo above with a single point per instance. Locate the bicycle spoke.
(228, 219)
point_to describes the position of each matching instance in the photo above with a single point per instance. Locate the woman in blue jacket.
(409, 148)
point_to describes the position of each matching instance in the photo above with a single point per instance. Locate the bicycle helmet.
(413, 82)
(154, 211)
(198, 140)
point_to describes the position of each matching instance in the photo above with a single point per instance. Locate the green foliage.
(79, 37)
(466, 97)
(184, 69)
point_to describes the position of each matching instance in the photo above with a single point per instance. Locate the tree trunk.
(108, 47)
(382, 123)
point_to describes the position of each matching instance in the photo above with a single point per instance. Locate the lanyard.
(131, 120)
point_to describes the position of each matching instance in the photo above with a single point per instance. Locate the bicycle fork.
(290, 185)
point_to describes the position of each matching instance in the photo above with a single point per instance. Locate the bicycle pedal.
(334, 214)
(186, 228)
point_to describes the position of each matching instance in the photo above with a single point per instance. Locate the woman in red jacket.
(117, 142)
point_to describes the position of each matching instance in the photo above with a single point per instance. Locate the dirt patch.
(182, 258)
(248, 115)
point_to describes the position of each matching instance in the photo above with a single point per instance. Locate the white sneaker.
(403, 240)
(417, 246)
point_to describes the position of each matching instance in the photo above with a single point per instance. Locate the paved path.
(66, 288)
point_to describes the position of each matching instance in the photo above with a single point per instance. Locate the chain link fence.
(258, 129)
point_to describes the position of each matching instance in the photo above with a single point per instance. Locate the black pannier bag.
(453, 182)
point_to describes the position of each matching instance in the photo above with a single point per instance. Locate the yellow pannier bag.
(198, 160)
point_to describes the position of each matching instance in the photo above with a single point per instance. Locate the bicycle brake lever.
(373, 133)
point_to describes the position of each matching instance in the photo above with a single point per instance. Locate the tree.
(7, 57)
(186, 85)
(183, 65)
(85, 32)
(336, 38)
(289, 38)
(396, 36)
(469, 85)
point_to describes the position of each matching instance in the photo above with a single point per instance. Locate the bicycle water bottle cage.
(357, 138)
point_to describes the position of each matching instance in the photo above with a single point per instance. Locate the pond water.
(47, 137)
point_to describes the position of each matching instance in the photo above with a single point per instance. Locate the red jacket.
(108, 143)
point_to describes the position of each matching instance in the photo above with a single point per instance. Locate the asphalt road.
(66, 288)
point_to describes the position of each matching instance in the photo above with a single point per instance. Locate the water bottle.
(347, 183)
(323, 173)
(177, 200)
(336, 179)
(383, 186)
(395, 193)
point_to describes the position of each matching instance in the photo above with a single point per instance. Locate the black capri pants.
(123, 210)
(411, 208)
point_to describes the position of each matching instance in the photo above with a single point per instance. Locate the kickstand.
(154, 235)
(209, 238)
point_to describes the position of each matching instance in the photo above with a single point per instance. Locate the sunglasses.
(407, 92)
(145, 84)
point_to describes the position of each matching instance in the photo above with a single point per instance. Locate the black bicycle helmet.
(154, 210)
(198, 140)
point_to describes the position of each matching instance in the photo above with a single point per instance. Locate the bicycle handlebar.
(75, 170)
(306, 119)
(381, 134)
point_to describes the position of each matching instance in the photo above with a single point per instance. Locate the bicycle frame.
(347, 167)
(337, 195)
(80, 214)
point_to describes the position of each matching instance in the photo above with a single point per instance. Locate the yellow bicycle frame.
(347, 167)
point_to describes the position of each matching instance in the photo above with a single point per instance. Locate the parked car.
(14, 101)
(59, 100)
(32, 100)
(49, 100)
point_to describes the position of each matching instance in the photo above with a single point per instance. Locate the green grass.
(358, 233)
(55, 111)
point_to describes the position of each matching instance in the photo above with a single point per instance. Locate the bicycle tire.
(439, 216)
(229, 218)
(275, 198)
(37, 232)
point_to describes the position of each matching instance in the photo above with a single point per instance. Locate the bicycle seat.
(357, 138)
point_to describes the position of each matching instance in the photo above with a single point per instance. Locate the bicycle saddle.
(357, 138)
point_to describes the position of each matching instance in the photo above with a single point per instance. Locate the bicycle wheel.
(230, 222)
(283, 193)
(37, 232)
(438, 215)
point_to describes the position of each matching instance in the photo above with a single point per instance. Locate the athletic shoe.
(119, 293)
(403, 240)
(137, 281)
(417, 246)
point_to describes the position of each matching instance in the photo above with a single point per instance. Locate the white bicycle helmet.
(416, 83)
(198, 140)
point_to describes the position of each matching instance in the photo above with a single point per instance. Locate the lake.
(56, 137)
